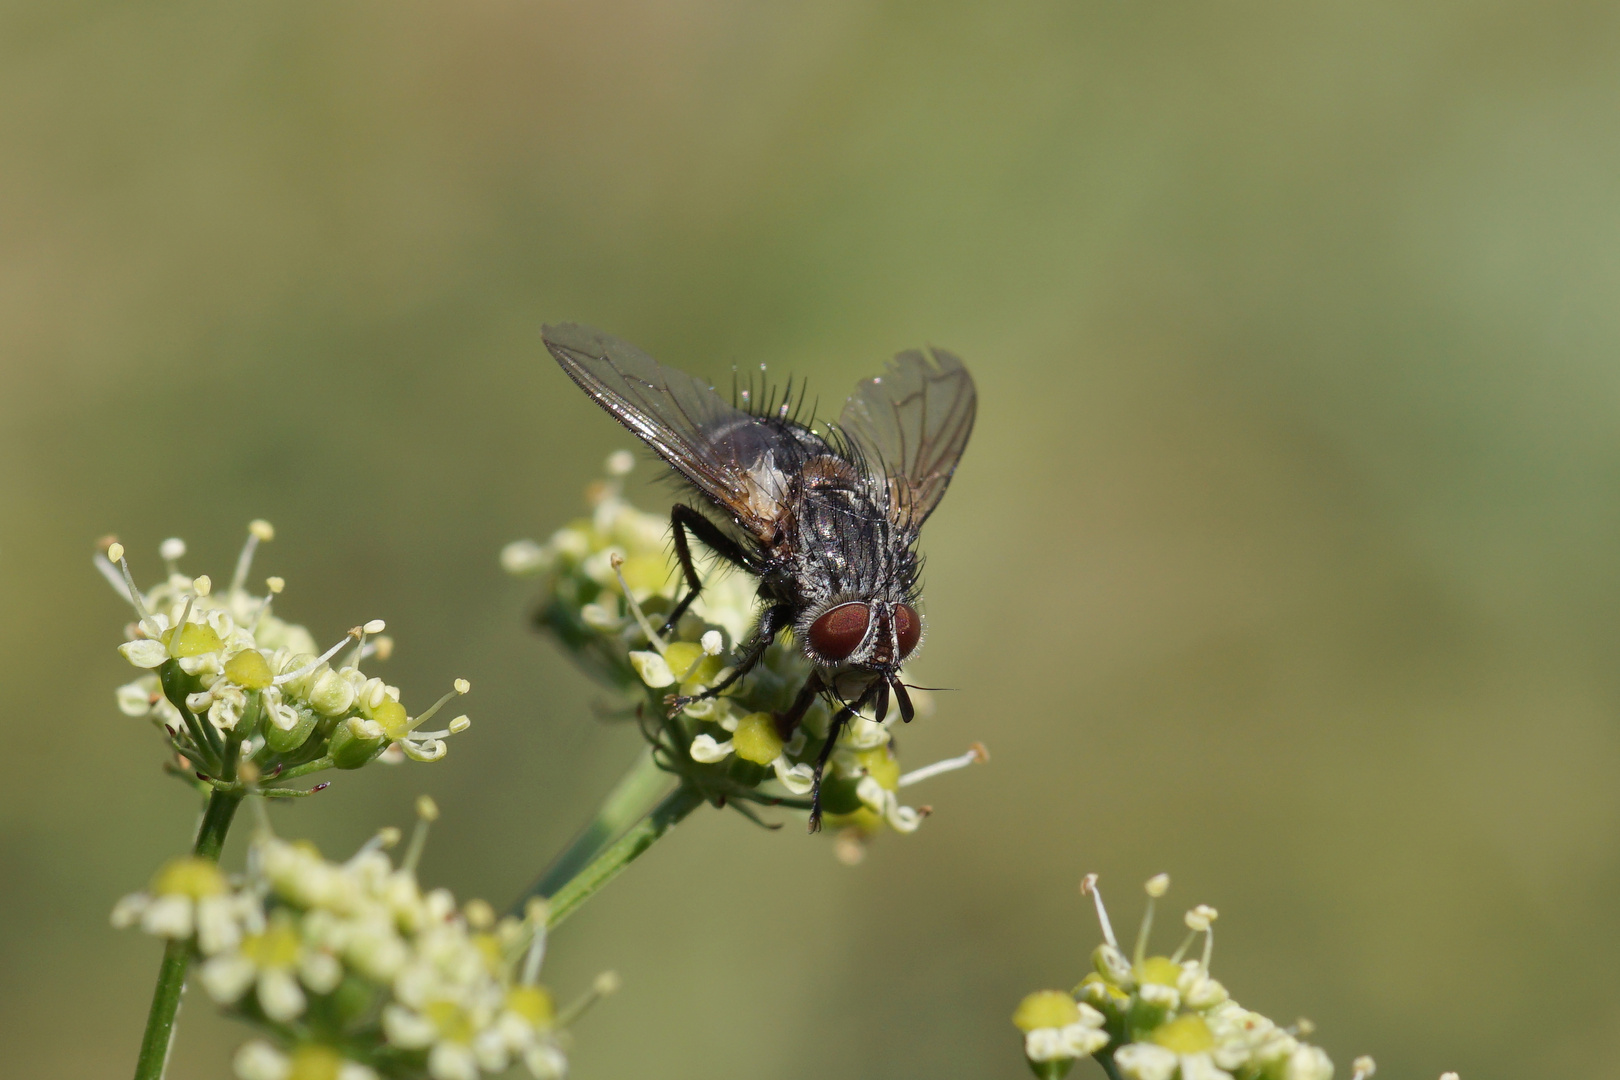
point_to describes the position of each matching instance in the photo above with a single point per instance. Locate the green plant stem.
(1106, 1060)
(616, 856)
(631, 797)
(171, 978)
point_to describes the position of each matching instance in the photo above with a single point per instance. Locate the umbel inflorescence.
(1155, 1017)
(247, 700)
(353, 972)
(611, 581)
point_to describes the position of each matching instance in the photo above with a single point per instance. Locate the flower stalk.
(621, 853)
(171, 980)
(631, 798)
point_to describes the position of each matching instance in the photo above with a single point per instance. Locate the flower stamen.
(617, 562)
(115, 556)
(606, 983)
(1156, 886)
(427, 812)
(976, 755)
(462, 687)
(375, 626)
(1088, 887)
(281, 680)
(258, 530)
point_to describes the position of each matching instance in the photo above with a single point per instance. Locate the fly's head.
(863, 642)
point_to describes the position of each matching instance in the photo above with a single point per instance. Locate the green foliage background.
(1286, 556)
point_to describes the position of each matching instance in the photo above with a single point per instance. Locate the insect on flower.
(825, 516)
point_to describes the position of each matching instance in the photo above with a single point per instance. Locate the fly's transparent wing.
(911, 424)
(729, 455)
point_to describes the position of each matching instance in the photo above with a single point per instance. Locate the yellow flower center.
(249, 670)
(188, 876)
(195, 640)
(277, 947)
(881, 766)
(646, 573)
(311, 1062)
(1185, 1035)
(453, 1023)
(532, 1003)
(1046, 1009)
(391, 715)
(756, 739)
(1160, 970)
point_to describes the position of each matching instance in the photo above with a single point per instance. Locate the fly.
(825, 517)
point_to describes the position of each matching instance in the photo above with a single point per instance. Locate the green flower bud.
(353, 998)
(331, 694)
(355, 742)
(298, 687)
(1112, 966)
(838, 795)
(285, 740)
(745, 772)
(1153, 1004)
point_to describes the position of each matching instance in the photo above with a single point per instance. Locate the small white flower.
(1308, 1063)
(188, 896)
(706, 750)
(522, 557)
(1145, 1061)
(1082, 1038)
(140, 697)
(258, 1060)
(269, 961)
(652, 669)
(798, 779)
(407, 1029)
(144, 652)
(452, 1061)
(546, 1062)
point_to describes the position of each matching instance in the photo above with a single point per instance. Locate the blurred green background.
(1284, 557)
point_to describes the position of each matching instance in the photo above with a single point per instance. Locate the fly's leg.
(788, 722)
(684, 519)
(769, 623)
(834, 729)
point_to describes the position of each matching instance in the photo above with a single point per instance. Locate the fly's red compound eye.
(840, 631)
(907, 628)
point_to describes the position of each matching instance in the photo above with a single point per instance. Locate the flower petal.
(144, 652)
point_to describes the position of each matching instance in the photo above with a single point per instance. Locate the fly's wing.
(733, 458)
(911, 424)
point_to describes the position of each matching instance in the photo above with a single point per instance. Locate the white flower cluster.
(610, 582)
(228, 679)
(1163, 1017)
(403, 982)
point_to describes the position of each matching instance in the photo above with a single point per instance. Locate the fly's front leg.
(834, 729)
(684, 519)
(788, 722)
(769, 623)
